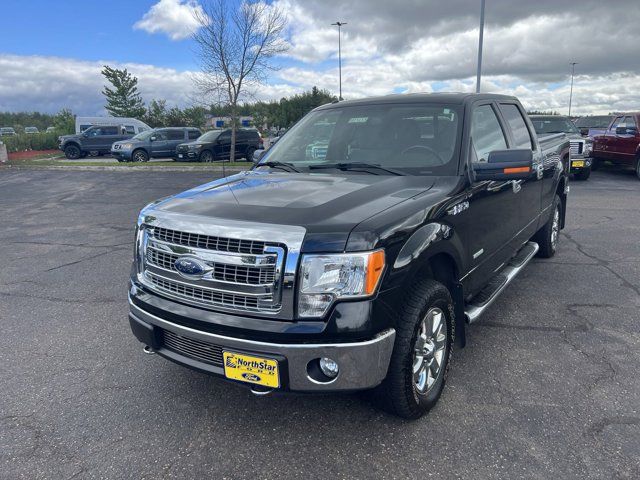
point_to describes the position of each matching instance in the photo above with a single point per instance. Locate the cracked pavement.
(547, 386)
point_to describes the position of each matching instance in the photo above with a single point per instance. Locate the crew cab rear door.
(492, 204)
(526, 202)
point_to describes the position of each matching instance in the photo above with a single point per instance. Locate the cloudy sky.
(51, 53)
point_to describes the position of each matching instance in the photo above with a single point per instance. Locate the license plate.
(577, 163)
(250, 369)
(179, 155)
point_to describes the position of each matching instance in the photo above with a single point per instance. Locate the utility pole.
(339, 25)
(573, 71)
(479, 73)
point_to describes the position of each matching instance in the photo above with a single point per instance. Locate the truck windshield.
(144, 135)
(554, 125)
(209, 136)
(417, 139)
(596, 121)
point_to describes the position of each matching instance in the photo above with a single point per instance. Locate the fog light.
(329, 367)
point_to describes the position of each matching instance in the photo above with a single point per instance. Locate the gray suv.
(97, 139)
(158, 143)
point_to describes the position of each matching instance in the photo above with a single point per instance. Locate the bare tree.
(235, 42)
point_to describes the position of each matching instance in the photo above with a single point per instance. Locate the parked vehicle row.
(356, 265)
(620, 142)
(579, 154)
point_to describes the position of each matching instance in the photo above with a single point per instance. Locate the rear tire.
(72, 152)
(638, 168)
(249, 155)
(582, 174)
(421, 353)
(547, 237)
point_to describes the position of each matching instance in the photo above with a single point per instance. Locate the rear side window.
(129, 129)
(109, 130)
(629, 122)
(521, 135)
(175, 134)
(193, 134)
(486, 133)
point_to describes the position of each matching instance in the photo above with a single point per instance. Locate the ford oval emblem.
(190, 267)
(251, 377)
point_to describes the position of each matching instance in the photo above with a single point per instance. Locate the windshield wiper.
(354, 166)
(286, 166)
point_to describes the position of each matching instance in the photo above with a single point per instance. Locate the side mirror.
(626, 131)
(505, 165)
(257, 155)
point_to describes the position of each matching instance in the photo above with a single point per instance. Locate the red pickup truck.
(620, 143)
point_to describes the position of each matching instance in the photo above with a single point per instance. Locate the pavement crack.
(604, 263)
(83, 259)
(600, 425)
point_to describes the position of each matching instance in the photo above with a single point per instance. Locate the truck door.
(624, 141)
(175, 138)
(159, 144)
(607, 140)
(525, 204)
(491, 207)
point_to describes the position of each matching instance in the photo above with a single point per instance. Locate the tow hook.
(261, 391)
(148, 350)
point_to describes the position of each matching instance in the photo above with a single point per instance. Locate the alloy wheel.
(555, 227)
(428, 353)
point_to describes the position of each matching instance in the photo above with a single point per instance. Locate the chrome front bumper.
(363, 365)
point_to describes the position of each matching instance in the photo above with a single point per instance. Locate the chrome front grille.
(204, 296)
(189, 347)
(221, 271)
(575, 147)
(235, 274)
(208, 242)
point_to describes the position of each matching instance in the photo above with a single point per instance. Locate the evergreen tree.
(123, 99)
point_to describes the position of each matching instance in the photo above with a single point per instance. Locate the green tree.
(175, 118)
(194, 116)
(123, 99)
(64, 122)
(156, 115)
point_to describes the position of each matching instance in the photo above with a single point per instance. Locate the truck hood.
(328, 206)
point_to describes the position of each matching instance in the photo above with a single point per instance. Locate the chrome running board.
(485, 298)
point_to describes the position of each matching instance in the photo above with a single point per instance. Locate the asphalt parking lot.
(547, 386)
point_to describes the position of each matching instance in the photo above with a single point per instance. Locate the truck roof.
(458, 98)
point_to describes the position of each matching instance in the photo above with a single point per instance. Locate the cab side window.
(616, 124)
(160, 135)
(486, 133)
(175, 134)
(521, 135)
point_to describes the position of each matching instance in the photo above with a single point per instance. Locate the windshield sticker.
(358, 120)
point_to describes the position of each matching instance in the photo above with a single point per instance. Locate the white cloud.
(176, 18)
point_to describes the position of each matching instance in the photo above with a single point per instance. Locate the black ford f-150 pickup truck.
(354, 253)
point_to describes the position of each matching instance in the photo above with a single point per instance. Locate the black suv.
(216, 145)
(158, 143)
(98, 139)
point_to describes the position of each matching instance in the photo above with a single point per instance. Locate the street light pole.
(339, 25)
(573, 71)
(478, 74)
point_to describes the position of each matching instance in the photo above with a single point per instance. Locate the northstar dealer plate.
(247, 368)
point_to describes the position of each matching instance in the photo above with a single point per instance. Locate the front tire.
(72, 152)
(638, 168)
(140, 156)
(249, 155)
(548, 236)
(421, 354)
(207, 157)
(582, 174)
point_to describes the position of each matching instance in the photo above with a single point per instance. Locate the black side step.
(496, 285)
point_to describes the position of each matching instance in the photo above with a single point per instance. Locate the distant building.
(222, 122)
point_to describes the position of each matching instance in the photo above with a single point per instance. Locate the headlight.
(327, 278)
(126, 146)
(195, 147)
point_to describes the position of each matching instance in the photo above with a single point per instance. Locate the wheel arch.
(442, 264)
